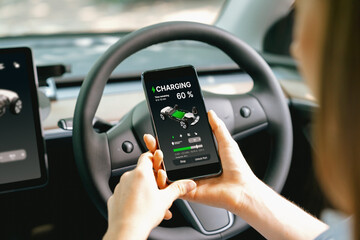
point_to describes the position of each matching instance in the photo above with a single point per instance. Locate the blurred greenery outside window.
(29, 17)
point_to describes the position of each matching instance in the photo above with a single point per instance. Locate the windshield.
(28, 17)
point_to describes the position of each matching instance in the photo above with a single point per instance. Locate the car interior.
(88, 58)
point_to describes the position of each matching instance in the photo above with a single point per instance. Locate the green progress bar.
(182, 149)
(188, 148)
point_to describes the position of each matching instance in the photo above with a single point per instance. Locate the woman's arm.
(275, 217)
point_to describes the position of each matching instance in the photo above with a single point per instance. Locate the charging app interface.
(19, 157)
(180, 119)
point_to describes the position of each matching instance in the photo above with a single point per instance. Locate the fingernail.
(191, 185)
(213, 113)
(158, 151)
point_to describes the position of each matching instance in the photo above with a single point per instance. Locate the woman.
(326, 45)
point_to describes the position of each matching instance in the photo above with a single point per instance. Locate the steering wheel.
(101, 155)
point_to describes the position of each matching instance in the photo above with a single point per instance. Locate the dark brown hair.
(337, 122)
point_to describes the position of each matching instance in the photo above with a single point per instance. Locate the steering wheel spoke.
(205, 219)
(123, 146)
(243, 114)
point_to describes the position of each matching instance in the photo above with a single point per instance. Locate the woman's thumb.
(179, 188)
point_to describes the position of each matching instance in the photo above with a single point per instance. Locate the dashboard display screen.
(181, 124)
(22, 155)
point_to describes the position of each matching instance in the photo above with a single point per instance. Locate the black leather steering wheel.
(101, 155)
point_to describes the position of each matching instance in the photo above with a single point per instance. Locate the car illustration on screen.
(184, 117)
(9, 100)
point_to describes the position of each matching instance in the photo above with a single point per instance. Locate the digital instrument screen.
(180, 118)
(22, 155)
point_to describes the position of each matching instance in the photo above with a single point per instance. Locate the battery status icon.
(197, 146)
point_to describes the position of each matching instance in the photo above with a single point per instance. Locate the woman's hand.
(138, 205)
(238, 190)
(231, 189)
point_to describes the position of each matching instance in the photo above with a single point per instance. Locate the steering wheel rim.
(90, 146)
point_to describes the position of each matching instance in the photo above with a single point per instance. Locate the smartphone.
(180, 123)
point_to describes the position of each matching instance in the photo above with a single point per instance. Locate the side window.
(279, 36)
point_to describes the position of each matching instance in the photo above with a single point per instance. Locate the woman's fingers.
(222, 134)
(161, 179)
(178, 189)
(168, 215)
(145, 160)
(158, 158)
(150, 142)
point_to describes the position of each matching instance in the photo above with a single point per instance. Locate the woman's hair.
(337, 122)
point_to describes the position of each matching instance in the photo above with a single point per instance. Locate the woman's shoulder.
(342, 230)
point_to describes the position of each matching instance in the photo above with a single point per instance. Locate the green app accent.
(178, 114)
(182, 149)
(153, 89)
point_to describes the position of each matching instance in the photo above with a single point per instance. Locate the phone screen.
(180, 122)
(22, 151)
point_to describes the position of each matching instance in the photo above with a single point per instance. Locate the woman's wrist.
(248, 194)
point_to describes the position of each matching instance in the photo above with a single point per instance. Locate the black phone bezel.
(33, 83)
(197, 172)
